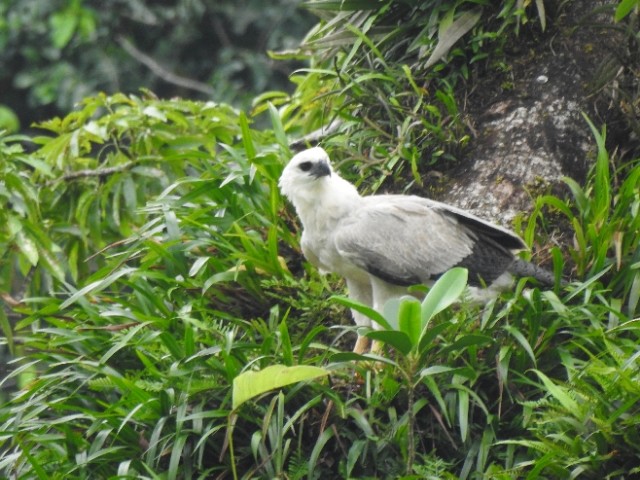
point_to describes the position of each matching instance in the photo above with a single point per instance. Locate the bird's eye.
(306, 166)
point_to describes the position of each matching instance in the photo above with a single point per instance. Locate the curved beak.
(321, 169)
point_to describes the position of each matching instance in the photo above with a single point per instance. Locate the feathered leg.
(360, 292)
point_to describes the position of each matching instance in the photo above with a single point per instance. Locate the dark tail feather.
(522, 268)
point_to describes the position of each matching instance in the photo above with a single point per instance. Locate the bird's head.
(305, 172)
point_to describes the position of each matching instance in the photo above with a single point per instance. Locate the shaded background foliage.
(55, 53)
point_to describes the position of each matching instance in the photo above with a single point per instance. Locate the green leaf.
(287, 348)
(364, 309)
(561, 394)
(96, 286)
(624, 8)
(398, 340)
(436, 370)
(250, 384)
(27, 247)
(463, 413)
(7, 330)
(428, 337)
(278, 129)
(247, 141)
(8, 119)
(468, 340)
(517, 334)
(451, 35)
(446, 291)
(63, 26)
(409, 319)
(154, 112)
(342, 5)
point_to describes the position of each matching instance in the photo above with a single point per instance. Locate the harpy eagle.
(381, 244)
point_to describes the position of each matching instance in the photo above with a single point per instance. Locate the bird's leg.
(360, 292)
(377, 348)
(362, 345)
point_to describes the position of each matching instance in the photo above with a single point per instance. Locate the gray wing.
(406, 240)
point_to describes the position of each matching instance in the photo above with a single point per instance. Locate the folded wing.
(407, 240)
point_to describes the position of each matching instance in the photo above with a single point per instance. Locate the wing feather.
(406, 240)
(401, 240)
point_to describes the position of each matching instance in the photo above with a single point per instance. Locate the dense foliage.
(57, 52)
(151, 273)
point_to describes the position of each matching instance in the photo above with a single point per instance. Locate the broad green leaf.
(250, 384)
(38, 165)
(409, 319)
(63, 26)
(398, 340)
(445, 292)
(624, 8)
(9, 121)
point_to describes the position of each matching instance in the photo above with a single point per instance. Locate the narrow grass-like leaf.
(96, 286)
(451, 35)
(428, 338)
(463, 414)
(176, 456)
(123, 342)
(7, 330)
(287, 348)
(278, 128)
(561, 394)
(517, 334)
(317, 449)
(247, 141)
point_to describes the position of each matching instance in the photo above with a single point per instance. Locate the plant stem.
(411, 443)
(411, 447)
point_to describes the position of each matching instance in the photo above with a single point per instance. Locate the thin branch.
(165, 74)
(316, 136)
(101, 172)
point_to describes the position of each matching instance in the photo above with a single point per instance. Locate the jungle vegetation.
(163, 323)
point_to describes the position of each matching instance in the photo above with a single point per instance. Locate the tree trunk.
(529, 126)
